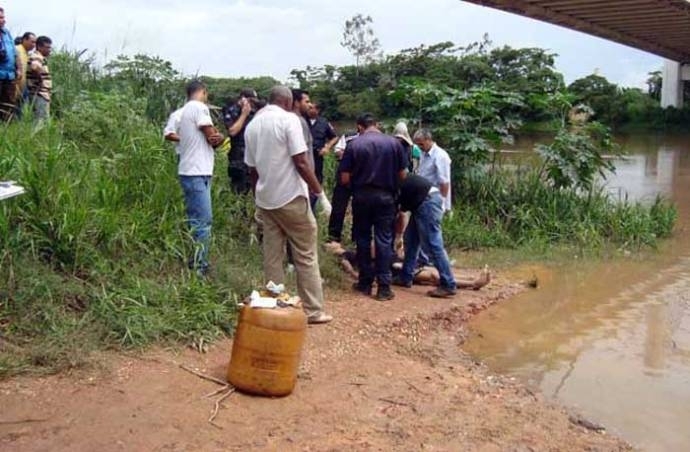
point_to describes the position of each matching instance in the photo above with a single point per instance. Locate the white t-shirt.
(196, 155)
(272, 138)
(172, 125)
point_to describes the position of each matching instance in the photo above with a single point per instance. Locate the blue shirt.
(9, 66)
(374, 160)
(434, 166)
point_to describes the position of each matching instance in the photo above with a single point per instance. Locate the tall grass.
(93, 254)
(514, 209)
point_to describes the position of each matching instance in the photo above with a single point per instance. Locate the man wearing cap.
(236, 118)
(10, 70)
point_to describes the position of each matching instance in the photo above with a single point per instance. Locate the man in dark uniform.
(373, 165)
(324, 138)
(236, 118)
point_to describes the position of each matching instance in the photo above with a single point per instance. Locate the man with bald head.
(282, 177)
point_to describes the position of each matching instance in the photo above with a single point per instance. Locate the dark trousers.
(373, 210)
(8, 94)
(339, 201)
(239, 177)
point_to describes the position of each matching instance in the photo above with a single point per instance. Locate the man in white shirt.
(282, 177)
(197, 138)
(170, 130)
(434, 165)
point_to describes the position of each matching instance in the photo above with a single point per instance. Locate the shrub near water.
(93, 254)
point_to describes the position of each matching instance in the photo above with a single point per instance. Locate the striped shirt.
(38, 79)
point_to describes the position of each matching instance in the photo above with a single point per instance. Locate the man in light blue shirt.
(10, 71)
(434, 165)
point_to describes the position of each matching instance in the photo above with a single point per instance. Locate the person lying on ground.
(423, 276)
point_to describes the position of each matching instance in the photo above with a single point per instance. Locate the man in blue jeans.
(373, 165)
(419, 196)
(197, 137)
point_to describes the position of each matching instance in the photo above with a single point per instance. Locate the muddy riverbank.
(383, 376)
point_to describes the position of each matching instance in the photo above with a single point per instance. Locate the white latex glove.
(324, 204)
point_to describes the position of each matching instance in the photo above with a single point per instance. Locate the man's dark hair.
(194, 87)
(249, 93)
(17, 40)
(298, 94)
(366, 120)
(43, 40)
(27, 35)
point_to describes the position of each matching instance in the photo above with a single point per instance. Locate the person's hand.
(399, 245)
(339, 154)
(246, 106)
(216, 139)
(324, 150)
(18, 73)
(324, 204)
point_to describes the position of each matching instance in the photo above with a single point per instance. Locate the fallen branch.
(23, 421)
(231, 390)
(203, 376)
(395, 402)
(218, 391)
(416, 388)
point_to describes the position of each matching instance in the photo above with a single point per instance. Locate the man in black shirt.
(324, 138)
(236, 118)
(373, 165)
(418, 196)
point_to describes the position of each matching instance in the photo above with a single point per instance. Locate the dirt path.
(384, 376)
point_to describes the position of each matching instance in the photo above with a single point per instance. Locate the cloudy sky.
(271, 37)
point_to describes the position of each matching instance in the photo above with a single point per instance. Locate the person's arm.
(18, 65)
(328, 146)
(213, 137)
(345, 178)
(306, 172)
(172, 136)
(253, 178)
(443, 167)
(237, 126)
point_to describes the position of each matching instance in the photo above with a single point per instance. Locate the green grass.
(92, 257)
(519, 210)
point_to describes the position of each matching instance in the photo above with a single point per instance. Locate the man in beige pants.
(277, 157)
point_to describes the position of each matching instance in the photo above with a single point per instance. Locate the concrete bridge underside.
(661, 27)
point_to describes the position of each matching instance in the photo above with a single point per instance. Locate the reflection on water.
(611, 338)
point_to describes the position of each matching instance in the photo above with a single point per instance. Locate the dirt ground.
(385, 376)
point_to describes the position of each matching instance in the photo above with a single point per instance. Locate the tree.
(359, 39)
(654, 85)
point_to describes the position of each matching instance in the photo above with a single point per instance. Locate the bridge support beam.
(674, 77)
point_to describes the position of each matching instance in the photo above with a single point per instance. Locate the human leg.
(273, 246)
(428, 217)
(8, 92)
(384, 221)
(297, 222)
(339, 200)
(361, 234)
(197, 197)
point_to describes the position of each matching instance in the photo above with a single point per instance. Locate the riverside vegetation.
(92, 256)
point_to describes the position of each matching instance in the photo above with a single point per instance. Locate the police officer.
(236, 118)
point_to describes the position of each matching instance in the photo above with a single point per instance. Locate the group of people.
(399, 188)
(24, 74)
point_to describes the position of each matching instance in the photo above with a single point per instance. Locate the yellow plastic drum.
(266, 351)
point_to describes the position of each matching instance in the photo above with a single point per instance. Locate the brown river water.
(610, 338)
